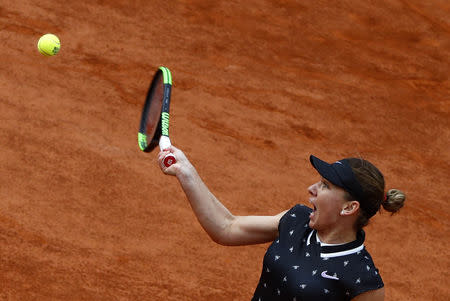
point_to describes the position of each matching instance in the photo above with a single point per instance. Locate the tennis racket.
(155, 115)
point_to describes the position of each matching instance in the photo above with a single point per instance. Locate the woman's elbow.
(221, 240)
(224, 236)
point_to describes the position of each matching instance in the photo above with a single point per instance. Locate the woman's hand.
(180, 168)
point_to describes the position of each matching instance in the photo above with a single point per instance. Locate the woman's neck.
(335, 236)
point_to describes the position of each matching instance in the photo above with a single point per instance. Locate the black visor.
(340, 174)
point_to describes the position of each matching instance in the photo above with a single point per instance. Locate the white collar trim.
(333, 254)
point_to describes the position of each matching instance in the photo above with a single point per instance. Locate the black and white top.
(298, 266)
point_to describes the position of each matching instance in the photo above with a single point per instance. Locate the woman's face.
(328, 201)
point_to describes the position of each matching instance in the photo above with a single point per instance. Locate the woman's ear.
(350, 208)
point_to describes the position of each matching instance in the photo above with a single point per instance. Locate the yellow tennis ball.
(49, 44)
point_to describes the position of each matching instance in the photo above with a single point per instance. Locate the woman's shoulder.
(362, 273)
(297, 214)
(300, 209)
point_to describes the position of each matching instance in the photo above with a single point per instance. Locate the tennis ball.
(49, 44)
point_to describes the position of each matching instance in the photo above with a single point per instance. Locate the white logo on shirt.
(325, 275)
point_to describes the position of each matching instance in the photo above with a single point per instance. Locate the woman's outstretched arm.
(221, 225)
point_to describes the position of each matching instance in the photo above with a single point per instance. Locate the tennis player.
(317, 252)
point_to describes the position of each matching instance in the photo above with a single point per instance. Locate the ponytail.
(394, 200)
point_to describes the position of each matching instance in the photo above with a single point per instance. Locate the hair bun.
(394, 200)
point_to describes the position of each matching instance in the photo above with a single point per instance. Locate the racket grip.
(164, 143)
(169, 159)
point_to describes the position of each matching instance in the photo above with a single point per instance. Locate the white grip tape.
(164, 142)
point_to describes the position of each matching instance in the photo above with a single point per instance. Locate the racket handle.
(164, 143)
(169, 159)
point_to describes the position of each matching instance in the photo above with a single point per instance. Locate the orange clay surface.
(258, 86)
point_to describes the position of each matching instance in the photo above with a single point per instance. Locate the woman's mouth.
(314, 211)
(314, 208)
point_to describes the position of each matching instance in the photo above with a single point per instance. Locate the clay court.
(257, 87)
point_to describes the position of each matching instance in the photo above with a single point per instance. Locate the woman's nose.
(312, 189)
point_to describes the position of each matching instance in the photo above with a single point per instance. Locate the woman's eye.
(324, 185)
